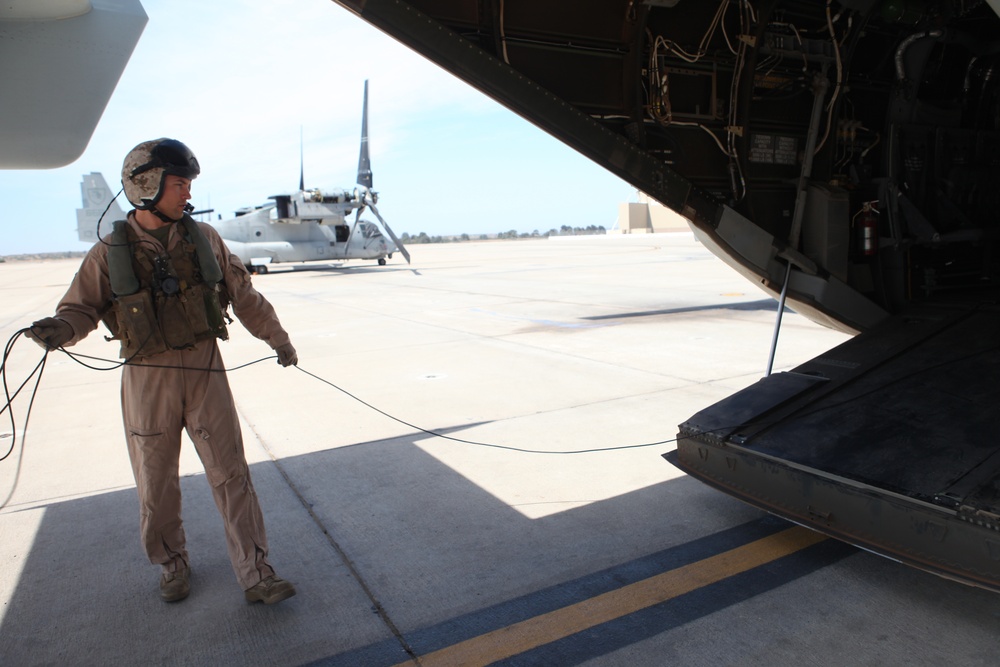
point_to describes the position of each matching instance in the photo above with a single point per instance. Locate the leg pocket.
(220, 459)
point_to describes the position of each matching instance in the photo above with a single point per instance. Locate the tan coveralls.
(158, 402)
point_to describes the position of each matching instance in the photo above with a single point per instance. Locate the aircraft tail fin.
(95, 195)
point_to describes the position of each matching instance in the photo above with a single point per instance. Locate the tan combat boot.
(175, 586)
(270, 590)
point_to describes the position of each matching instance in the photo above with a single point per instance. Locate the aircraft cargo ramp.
(878, 441)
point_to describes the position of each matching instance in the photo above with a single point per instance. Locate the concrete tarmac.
(501, 498)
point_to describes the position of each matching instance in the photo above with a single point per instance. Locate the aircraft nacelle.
(317, 196)
(324, 207)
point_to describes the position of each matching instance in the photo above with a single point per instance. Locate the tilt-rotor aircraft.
(309, 225)
(312, 225)
(844, 156)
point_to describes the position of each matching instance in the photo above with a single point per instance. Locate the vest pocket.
(215, 314)
(194, 307)
(138, 328)
(176, 323)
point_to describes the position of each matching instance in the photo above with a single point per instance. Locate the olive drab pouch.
(194, 308)
(215, 313)
(137, 326)
(175, 324)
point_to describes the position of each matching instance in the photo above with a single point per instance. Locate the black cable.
(758, 422)
(127, 243)
(3, 373)
(39, 369)
(76, 356)
(475, 442)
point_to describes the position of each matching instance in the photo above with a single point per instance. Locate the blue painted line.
(627, 629)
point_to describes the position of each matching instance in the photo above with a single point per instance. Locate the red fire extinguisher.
(866, 230)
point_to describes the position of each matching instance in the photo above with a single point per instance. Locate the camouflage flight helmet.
(147, 165)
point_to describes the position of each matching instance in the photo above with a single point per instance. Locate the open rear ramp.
(882, 441)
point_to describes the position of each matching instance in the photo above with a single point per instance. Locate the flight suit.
(184, 389)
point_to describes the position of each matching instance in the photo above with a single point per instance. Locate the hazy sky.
(237, 80)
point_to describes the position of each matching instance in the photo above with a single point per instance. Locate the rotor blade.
(357, 216)
(364, 163)
(395, 239)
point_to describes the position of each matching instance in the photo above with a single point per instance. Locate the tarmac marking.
(560, 623)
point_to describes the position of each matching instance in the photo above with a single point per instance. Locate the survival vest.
(168, 301)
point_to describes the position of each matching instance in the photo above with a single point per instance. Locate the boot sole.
(276, 597)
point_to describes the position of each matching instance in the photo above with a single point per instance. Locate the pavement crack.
(383, 614)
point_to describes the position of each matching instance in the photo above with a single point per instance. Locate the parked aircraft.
(311, 224)
(843, 155)
(305, 226)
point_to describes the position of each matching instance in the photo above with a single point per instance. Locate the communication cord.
(476, 442)
(764, 420)
(8, 407)
(83, 359)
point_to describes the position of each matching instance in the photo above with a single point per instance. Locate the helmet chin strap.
(165, 218)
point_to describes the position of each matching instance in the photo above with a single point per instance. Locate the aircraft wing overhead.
(844, 152)
(78, 49)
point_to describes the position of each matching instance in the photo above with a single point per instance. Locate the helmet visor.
(173, 157)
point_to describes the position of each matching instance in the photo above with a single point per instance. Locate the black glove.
(287, 355)
(50, 332)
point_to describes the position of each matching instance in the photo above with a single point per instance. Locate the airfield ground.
(410, 548)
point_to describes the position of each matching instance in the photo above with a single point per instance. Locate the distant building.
(647, 216)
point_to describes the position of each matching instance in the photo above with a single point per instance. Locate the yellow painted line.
(540, 630)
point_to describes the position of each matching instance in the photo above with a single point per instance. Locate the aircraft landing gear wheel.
(261, 270)
(381, 261)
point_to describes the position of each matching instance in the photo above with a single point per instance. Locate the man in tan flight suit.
(162, 282)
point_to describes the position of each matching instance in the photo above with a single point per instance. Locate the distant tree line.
(565, 230)
(30, 257)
